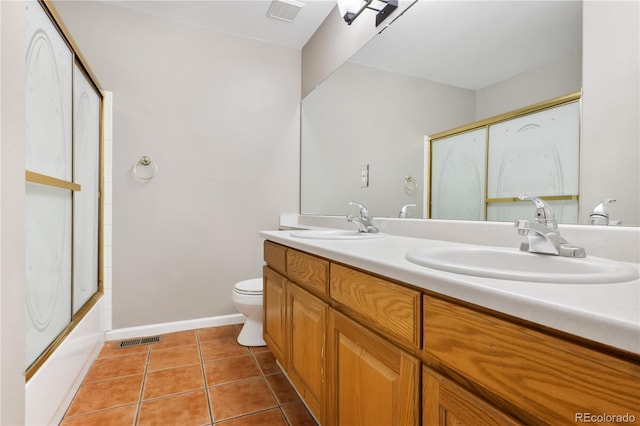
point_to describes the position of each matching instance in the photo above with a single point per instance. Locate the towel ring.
(410, 184)
(145, 160)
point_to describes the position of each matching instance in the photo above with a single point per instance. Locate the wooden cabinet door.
(275, 313)
(445, 403)
(544, 378)
(307, 325)
(371, 381)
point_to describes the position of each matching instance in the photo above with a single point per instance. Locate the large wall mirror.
(439, 66)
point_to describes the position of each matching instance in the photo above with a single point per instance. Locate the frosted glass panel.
(457, 176)
(536, 154)
(48, 97)
(48, 266)
(566, 211)
(86, 147)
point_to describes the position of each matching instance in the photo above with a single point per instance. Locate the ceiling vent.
(285, 10)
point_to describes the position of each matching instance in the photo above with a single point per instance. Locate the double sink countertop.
(605, 313)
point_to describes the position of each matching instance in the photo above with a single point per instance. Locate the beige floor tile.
(172, 384)
(225, 370)
(267, 363)
(184, 409)
(256, 349)
(121, 416)
(173, 380)
(109, 368)
(282, 389)
(221, 349)
(265, 418)
(172, 340)
(240, 398)
(106, 394)
(297, 415)
(173, 357)
(218, 333)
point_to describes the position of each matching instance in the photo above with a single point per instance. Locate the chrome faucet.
(364, 221)
(543, 235)
(403, 210)
(600, 214)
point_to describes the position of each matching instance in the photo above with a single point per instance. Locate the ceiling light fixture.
(351, 9)
(284, 10)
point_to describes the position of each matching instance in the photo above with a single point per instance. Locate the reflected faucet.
(543, 235)
(403, 211)
(364, 221)
(600, 214)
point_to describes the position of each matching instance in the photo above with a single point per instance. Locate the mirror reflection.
(440, 66)
(479, 172)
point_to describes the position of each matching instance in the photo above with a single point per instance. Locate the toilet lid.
(253, 286)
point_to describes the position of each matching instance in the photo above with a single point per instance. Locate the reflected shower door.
(457, 176)
(537, 154)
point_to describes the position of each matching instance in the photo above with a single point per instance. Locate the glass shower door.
(86, 158)
(48, 189)
(62, 150)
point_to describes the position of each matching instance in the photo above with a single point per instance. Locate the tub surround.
(604, 313)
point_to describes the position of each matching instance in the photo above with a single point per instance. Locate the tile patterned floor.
(199, 377)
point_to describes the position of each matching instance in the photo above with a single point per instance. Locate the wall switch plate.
(364, 176)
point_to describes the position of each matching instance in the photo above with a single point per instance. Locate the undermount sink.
(513, 264)
(335, 234)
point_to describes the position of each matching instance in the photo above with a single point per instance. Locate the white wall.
(334, 42)
(219, 114)
(561, 77)
(611, 107)
(12, 232)
(362, 115)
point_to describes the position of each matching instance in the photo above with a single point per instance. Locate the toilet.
(247, 296)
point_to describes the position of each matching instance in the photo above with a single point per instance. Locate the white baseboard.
(172, 327)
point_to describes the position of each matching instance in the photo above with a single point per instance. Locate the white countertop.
(605, 313)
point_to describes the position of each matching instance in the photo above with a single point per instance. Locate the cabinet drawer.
(552, 380)
(275, 256)
(380, 303)
(308, 271)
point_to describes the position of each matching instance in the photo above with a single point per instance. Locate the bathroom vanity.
(369, 338)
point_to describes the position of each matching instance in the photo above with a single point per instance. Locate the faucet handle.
(543, 215)
(570, 250)
(364, 213)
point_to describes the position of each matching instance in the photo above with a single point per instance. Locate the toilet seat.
(251, 287)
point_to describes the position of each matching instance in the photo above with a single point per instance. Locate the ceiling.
(469, 44)
(242, 17)
(473, 44)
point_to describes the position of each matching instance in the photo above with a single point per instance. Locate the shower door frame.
(76, 317)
